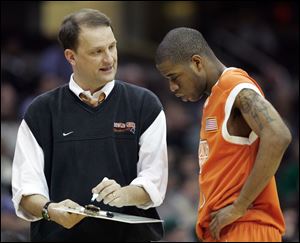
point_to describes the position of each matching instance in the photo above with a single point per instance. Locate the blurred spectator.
(54, 63)
(9, 102)
(46, 83)
(292, 225)
(13, 229)
(6, 169)
(132, 73)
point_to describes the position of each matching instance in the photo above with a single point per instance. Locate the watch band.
(45, 213)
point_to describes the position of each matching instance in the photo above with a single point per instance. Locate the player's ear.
(197, 62)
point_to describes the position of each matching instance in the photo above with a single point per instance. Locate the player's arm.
(274, 136)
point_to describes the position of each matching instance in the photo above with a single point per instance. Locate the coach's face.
(95, 60)
(186, 81)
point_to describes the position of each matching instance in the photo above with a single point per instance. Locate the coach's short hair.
(180, 44)
(70, 27)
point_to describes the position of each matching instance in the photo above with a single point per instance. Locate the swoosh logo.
(66, 134)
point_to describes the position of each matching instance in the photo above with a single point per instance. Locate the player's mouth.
(182, 97)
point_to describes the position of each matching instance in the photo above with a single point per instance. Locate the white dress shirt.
(152, 169)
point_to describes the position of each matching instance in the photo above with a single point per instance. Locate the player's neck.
(217, 70)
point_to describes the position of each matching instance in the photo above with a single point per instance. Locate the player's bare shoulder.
(257, 111)
(247, 99)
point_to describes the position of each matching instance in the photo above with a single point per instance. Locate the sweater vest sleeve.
(151, 107)
(38, 118)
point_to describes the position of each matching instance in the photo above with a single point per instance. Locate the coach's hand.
(224, 217)
(114, 195)
(65, 219)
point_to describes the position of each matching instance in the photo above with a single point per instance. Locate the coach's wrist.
(45, 211)
(137, 195)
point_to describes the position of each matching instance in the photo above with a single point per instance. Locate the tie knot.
(90, 101)
(101, 97)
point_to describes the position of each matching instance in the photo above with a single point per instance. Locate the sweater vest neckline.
(88, 107)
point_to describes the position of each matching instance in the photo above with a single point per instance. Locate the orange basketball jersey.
(226, 161)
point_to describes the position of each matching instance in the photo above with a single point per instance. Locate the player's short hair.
(180, 44)
(70, 27)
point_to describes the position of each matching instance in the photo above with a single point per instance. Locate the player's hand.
(224, 217)
(65, 219)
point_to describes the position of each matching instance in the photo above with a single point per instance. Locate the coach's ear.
(70, 56)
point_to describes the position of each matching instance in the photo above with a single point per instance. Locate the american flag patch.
(211, 124)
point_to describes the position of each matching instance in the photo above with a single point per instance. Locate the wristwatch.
(45, 212)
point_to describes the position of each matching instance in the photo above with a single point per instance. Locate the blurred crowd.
(265, 45)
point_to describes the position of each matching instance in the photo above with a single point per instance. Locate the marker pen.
(95, 195)
(106, 214)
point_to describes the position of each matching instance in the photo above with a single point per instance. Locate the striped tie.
(90, 101)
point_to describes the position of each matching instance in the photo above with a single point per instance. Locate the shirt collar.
(77, 90)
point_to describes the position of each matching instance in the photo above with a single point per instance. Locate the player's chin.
(195, 98)
(185, 99)
(192, 99)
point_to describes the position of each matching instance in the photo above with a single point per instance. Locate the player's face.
(184, 80)
(96, 55)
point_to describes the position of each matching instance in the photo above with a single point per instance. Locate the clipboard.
(108, 215)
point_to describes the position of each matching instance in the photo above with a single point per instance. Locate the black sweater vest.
(81, 146)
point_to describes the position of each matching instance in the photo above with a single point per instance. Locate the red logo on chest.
(124, 127)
